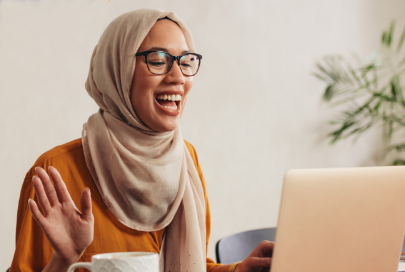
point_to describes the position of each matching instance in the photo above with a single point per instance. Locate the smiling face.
(150, 93)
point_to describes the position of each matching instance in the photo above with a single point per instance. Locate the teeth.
(171, 108)
(170, 97)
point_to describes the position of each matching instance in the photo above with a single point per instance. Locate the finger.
(266, 248)
(255, 263)
(85, 205)
(48, 186)
(41, 195)
(36, 213)
(60, 186)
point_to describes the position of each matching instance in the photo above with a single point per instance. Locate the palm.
(68, 230)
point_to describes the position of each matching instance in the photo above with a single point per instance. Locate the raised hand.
(68, 230)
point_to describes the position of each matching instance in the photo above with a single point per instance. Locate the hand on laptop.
(258, 260)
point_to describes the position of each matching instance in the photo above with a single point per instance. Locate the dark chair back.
(237, 247)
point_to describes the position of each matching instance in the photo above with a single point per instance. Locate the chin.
(165, 127)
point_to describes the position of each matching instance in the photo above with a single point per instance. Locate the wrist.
(235, 267)
(58, 263)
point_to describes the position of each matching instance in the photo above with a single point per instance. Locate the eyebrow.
(165, 50)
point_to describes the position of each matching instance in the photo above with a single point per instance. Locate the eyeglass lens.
(159, 63)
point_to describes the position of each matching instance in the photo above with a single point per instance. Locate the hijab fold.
(146, 178)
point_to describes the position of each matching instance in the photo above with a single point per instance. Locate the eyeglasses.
(160, 63)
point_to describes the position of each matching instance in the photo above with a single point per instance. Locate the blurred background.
(255, 110)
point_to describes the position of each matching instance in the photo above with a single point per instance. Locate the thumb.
(85, 205)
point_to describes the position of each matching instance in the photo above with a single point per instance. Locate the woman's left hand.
(259, 260)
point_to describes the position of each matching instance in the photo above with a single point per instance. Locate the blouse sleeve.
(33, 250)
(210, 263)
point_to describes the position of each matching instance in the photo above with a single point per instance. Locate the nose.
(175, 76)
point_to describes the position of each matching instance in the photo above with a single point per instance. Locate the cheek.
(141, 101)
(140, 80)
(143, 85)
(188, 84)
(187, 87)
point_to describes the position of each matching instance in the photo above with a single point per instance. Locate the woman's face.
(159, 114)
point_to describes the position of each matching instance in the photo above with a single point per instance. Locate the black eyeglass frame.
(146, 53)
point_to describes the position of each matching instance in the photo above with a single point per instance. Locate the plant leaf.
(398, 162)
(401, 41)
(319, 76)
(383, 38)
(390, 34)
(328, 92)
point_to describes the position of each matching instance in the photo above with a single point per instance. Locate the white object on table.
(401, 267)
(121, 262)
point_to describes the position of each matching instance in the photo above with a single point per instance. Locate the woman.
(147, 189)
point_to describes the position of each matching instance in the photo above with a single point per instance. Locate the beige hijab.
(146, 178)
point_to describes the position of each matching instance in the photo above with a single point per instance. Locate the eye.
(157, 63)
(157, 59)
(186, 64)
(188, 61)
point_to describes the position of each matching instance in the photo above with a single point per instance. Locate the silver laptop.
(341, 220)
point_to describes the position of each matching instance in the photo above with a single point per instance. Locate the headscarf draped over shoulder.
(146, 178)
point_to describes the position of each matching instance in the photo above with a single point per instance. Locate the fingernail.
(33, 178)
(29, 199)
(88, 189)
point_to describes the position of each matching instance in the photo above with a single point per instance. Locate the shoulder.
(67, 151)
(60, 150)
(70, 153)
(193, 153)
(190, 147)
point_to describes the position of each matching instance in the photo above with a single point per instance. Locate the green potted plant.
(370, 92)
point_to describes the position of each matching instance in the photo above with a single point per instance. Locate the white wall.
(254, 111)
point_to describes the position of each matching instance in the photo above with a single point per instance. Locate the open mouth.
(170, 102)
